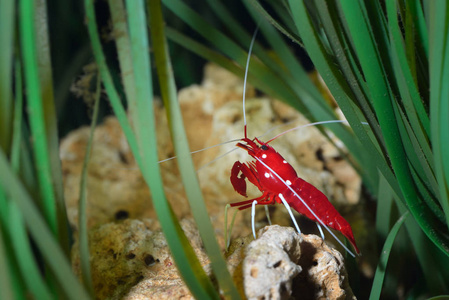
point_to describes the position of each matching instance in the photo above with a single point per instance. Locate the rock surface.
(119, 201)
(324, 275)
(271, 263)
(130, 261)
(281, 264)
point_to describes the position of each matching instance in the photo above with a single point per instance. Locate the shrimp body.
(274, 176)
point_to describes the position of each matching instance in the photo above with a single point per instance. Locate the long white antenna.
(246, 75)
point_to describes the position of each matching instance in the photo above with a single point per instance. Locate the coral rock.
(281, 264)
(271, 263)
(324, 275)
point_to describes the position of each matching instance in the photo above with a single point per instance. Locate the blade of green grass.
(42, 41)
(26, 261)
(426, 255)
(411, 99)
(336, 37)
(184, 256)
(383, 260)
(410, 40)
(418, 15)
(234, 51)
(186, 167)
(308, 94)
(382, 102)
(286, 31)
(5, 277)
(338, 88)
(315, 107)
(86, 274)
(193, 275)
(36, 113)
(15, 280)
(39, 230)
(380, 92)
(384, 208)
(25, 257)
(7, 17)
(119, 21)
(107, 79)
(418, 160)
(439, 95)
(18, 117)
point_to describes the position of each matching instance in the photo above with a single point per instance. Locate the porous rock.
(282, 264)
(270, 263)
(130, 261)
(324, 275)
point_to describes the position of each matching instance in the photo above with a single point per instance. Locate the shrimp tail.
(322, 208)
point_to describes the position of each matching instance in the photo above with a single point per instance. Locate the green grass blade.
(417, 12)
(383, 260)
(26, 259)
(269, 81)
(307, 92)
(7, 17)
(106, 77)
(384, 208)
(186, 167)
(441, 297)
(439, 95)
(183, 254)
(339, 89)
(86, 274)
(39, 230)
(336, 37)
(414, 151)
(36, 113)
(382, 99)
(303, 95)
(412, 102)
(119, 21)
(51, 123)
(429, 256)
(286, 31)
(380, 92)
(5, 277)
(12, 274)
(186, 261)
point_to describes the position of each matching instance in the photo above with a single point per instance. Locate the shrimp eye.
(264, 147)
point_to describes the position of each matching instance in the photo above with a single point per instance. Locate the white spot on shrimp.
(284, 161)
(267, 175)
(288, 182)
(264, 156)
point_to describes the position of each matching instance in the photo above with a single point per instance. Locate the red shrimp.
(277, 179)
(278, 182)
